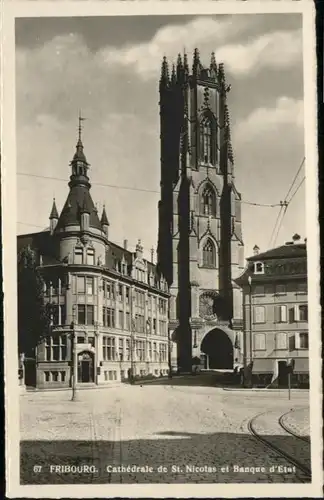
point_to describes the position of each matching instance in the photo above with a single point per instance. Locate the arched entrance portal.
(86, 367)
(218, 350)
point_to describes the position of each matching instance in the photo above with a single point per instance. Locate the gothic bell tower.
(200, 247)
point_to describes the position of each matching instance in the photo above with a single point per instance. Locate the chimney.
(256, 250)
(125, 244)
(296, 238)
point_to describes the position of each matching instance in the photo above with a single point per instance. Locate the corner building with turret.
(109, 307)
(200, 245)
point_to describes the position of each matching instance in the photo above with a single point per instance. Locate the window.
(89, 286)
(303, 341)
(303, 312)
(259, 314)
(209, 254)
(120, 292)
(127, 349)
(206, 141)
(55, 348)
(155, 351)
(280, 289)
(110, 375)
(298, 313)
(259, 342)
(127, 294)
(90, 257)
(81, 284)
(108, 348)
(47, 376)
(162, 306)
(108, 317)
(127, 321)
(63, 376)
(281, 340)
(106, 375)
(80, 340)
(258, 268)
(85, 314)
(108, 288)
(280, 314)
(121, 319)
(63, 314)
(140, 350)
(91, 341)
(121, 349)
(259, 290)
(208, 201)
(54, 376)
(78, 256)
(154, 325)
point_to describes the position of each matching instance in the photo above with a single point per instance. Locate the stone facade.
(110, 300)
(274, 286)
(200, 248)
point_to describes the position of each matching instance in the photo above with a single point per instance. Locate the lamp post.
(74, 356)
(250, 328)
(169, 354)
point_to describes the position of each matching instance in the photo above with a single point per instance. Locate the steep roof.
(78, 198)
(292, 250)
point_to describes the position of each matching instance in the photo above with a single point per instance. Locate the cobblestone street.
(177, 433)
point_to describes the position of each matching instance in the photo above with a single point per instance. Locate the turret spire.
(54, 212)
(185, 63)
(79, 163)
(104, 219)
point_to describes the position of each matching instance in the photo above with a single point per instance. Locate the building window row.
(55, 348)
(280, 289)
(85, 285)
(58, 314)
(113, 350)
(108, 317)
(299, 312)
(55, 376)
(282, 341)
(84, 256)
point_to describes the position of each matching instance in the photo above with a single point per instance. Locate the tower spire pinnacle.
(196, 66)
(164, 80)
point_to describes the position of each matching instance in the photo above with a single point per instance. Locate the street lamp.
(74, 356)
(169, 354)
(250, 327)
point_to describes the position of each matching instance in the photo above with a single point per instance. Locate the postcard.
(161, 249)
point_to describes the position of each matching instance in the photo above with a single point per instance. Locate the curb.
(264, 390)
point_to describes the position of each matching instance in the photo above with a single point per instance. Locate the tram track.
(304, 471)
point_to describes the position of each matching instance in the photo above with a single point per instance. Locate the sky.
(109, 68)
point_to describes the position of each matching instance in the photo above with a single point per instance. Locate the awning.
(264, 365)
(301, 365)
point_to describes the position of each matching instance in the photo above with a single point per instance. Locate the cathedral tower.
(200, 247)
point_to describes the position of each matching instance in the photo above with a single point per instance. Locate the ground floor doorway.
(86, 367)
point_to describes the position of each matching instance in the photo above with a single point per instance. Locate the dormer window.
(90, 257)
(78, 256)
(258, 268)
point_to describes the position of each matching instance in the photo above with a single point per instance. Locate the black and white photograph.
(162, 324)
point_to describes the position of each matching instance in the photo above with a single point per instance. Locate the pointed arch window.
(206, 136)
(209, 254)
(208, 201)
